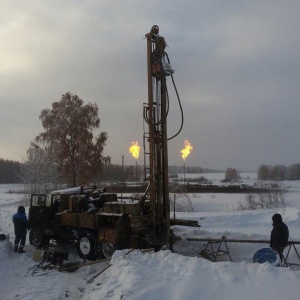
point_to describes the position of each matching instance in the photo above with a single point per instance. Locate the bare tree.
(232, 174)
(263, 172)
(68, 137)
(181, 201)
(38, 172)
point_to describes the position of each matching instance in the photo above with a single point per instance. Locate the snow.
(164, 275)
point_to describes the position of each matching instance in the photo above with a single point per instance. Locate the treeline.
(9, 171)
(186, 169)
(117, 173)
(15, 172)
(192, 170)
(133, 172)
(279, 172)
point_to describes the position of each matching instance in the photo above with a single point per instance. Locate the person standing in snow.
(21, 225)
(279, 235)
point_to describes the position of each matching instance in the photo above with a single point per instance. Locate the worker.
(279, 235)
(123, 231)
(21, 225)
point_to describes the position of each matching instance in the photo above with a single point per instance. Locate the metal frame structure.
(156, 155)
(215, 253)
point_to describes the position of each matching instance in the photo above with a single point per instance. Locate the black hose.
(179, 102)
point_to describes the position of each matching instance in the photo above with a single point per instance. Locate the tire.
(38, 238)
(108, 249)
(86, 246)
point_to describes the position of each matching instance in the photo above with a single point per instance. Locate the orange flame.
(187, 149)
(135, 149)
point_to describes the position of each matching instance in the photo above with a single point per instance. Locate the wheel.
(38, 238)
(86, 246)
(108, 249)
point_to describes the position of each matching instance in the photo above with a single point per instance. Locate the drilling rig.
(88, 217)
(155, 140)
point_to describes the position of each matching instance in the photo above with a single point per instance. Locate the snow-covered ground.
(165, 275)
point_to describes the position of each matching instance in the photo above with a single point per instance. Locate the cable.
(40, 265)
(146, 118)
(179, 102)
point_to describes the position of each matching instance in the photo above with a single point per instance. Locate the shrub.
(266, 198)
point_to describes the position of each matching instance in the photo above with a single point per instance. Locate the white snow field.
(165, 275)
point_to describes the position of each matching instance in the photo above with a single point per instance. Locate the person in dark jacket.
(123, 232)
(21, 225)
(279, 235)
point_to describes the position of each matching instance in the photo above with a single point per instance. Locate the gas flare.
(187, 149)
(135, 149)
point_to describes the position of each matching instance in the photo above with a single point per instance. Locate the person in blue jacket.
(21, 225)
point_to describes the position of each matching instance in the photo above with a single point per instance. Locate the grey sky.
(237, 70)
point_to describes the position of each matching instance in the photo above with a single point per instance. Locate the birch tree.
(68, 137)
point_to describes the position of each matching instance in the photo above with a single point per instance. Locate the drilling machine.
(155, 140)
(66, 216)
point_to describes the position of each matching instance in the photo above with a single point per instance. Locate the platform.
(218, 247)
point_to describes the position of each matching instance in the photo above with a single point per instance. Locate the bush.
(266, 198)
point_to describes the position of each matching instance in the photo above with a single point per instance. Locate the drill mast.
(156, 156)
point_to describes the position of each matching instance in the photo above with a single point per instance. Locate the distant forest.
(279, 172)
(9, 171)
(193, 170)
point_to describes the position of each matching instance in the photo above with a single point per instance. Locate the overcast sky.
(237, 70)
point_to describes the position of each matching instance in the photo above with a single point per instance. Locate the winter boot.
(21, 250)
(16, 248)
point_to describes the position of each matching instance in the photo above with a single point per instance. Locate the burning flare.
(187, 149)
(135, 149)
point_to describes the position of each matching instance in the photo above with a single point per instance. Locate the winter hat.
(277, 218)
(21, 209)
